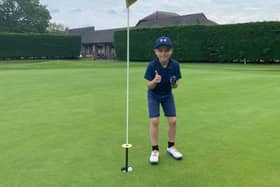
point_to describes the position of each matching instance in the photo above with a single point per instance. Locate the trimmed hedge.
(30, 45)
(255, 42)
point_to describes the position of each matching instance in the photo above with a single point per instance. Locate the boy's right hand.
(157, 78)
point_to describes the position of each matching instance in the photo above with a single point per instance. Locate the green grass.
(62, 123)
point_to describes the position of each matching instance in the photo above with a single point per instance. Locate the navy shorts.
(166, 101)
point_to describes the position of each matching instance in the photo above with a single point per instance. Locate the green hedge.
(14, 45)
(197, 43)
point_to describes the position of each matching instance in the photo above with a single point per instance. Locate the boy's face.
(164, 53)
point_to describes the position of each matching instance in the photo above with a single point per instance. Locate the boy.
(162, 76)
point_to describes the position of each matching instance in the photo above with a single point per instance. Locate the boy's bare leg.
(172, 129)
(154, 123)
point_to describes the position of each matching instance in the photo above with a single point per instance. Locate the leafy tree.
(56, 28)
(23, 16)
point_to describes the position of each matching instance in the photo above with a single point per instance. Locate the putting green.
(62, 123)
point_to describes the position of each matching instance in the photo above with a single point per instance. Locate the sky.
(106, 14)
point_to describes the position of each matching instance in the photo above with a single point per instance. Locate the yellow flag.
(130, 2)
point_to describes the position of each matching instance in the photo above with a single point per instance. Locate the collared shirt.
(172, 70)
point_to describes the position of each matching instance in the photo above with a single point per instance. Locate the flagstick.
(127, 146)
(127, 79)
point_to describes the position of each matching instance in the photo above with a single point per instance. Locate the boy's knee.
(172, 121)
(155, 121)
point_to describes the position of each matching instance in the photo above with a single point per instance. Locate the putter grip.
(173, 80)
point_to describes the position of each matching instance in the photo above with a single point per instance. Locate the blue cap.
(163, 41)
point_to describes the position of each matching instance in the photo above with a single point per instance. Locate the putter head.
(127, 170)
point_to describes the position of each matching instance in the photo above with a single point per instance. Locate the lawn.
(62, 124)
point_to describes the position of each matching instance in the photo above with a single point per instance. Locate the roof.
(199, 18)
(160, 15)
(104, 36)
(89, 35)
(85, 32)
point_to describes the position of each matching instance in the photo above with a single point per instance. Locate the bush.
(254, 42)
(14, 45)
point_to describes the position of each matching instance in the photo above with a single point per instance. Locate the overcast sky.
(105, 14)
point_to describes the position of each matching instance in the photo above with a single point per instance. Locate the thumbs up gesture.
(157, 78)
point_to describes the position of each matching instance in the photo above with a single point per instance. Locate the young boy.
(162, 76)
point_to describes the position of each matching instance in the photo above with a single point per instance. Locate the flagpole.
(127, 168)
(127, 77)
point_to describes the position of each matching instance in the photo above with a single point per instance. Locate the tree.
(56, 28)
(23, 16)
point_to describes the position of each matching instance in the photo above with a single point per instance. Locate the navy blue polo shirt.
(172, 69)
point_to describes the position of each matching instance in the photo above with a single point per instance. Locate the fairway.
(62, 124)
